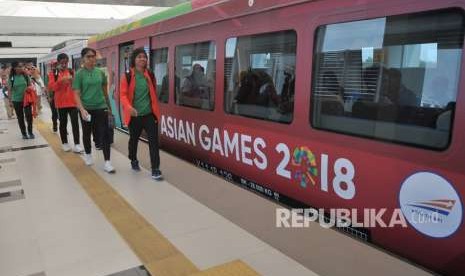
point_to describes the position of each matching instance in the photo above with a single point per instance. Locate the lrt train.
(71, 47)
(330, 104)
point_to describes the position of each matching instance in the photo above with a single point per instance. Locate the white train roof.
(34, 27)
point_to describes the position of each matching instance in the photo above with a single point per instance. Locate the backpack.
(56, 72)
(12, 80)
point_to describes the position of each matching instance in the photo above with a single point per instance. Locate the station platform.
(59, 217)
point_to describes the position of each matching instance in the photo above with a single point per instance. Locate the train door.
(113, 91)
(43, 69)
(76, 62)
(125, 51)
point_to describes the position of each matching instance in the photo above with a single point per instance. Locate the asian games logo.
(431, 204)
(306, 168)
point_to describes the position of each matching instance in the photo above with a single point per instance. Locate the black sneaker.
(25, 137)
(156, 174)
(135, 165)
(31, 136)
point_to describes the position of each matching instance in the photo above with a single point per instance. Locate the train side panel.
(320, 168)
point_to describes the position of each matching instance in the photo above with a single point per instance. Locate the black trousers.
(73, 114)
(149, 124)
(98, 122)
(54, 114)
(95, 137)
(20, 113)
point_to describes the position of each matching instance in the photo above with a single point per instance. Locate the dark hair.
(134, 54)
(86, 50)
(14, 64)
(62, 56)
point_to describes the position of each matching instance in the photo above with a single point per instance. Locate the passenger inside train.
(262, 87)
(196, 85)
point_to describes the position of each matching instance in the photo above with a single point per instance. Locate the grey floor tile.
(38, 274)
(10, 183)
(12, 196)
(136, 271)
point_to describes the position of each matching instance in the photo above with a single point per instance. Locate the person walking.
(38, 83)
(91, 94)
(51, 94)
(61, 84)
(140, 109)
(22, 97)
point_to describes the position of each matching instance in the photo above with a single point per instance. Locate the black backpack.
(12, 79)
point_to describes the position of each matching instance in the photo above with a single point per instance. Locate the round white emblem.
(431, 205)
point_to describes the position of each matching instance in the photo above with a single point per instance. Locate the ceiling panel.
(36, 35)
(156, 3)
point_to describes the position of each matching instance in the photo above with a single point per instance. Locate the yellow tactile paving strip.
(232, 268)
(156, 253)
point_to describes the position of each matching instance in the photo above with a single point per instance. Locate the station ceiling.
(29, 29)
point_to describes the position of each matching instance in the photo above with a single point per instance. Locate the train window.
(259, 76)
(160, 69)
(101, 62)
(195, 75)
(393, 78)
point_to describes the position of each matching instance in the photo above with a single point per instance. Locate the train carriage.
(71, 47)
(329, 104)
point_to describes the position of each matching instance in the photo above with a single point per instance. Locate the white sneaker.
(78, 148)
(66, 147)
(88, 159)
(108, 167)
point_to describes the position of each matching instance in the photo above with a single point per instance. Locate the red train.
(330, 104)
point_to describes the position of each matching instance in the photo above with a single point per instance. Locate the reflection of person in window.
(395, 91)
(287, 92)
(257, 88)
(195, 85)
(267, 95)
(370, 77)
(332, 88)
(333, 103)
(247, 85)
